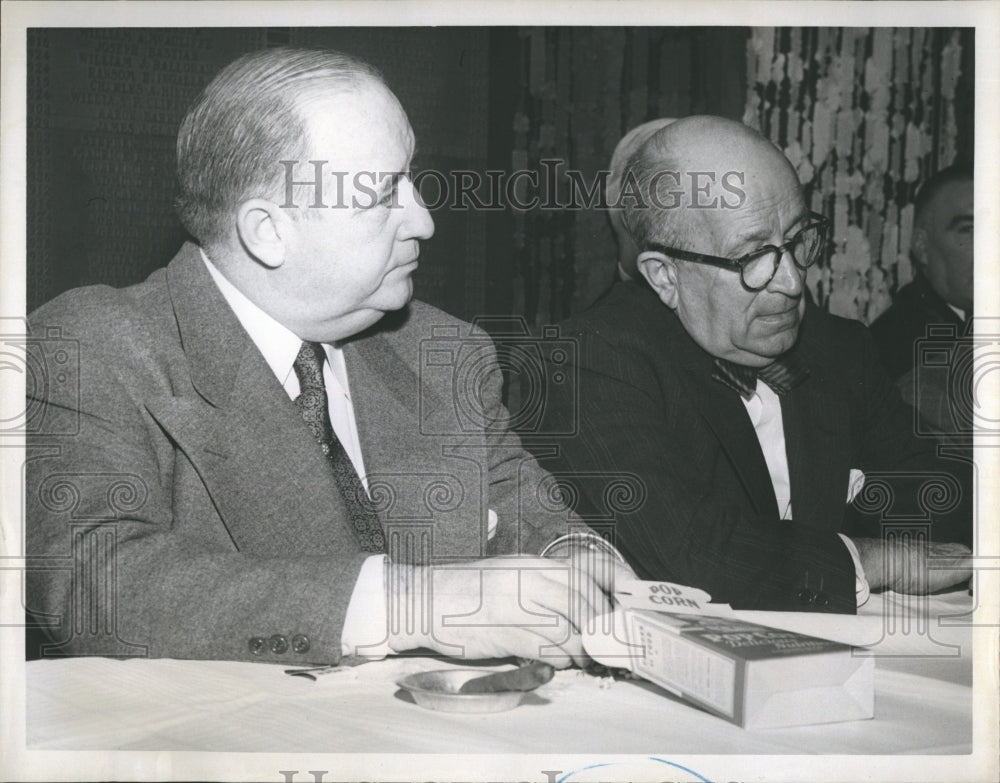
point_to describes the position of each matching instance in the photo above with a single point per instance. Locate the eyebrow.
(761, 235)
(960, 219)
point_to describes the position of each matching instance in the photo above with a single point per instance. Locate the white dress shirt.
(764, 409)
(365, 621)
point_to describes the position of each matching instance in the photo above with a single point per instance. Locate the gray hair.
(624, 150)
(643, 220)
(244, 122)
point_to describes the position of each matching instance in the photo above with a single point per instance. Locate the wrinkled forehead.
(745, 202)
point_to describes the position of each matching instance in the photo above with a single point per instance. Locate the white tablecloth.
(923, 705)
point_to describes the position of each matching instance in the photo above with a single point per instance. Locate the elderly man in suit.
(747, 420)
(253, 458)
(937, 304)
(941, 291)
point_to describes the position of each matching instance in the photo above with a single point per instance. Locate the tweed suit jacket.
(702, 509)
(172, 484)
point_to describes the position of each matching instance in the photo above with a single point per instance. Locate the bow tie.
(782, 375)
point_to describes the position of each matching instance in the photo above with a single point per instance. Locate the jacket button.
(822, 600)
(300, 643)
(278, 644)
(805, 596)
(256, 644)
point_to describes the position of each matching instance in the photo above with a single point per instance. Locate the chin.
(770, 348)
(397, 297)
(781, 343)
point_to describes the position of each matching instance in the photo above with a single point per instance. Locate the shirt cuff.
(366, 624)
(861, 591)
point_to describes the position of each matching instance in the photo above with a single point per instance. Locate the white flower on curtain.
(863, 114)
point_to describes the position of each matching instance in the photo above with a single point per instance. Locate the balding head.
(693, 168)
(624, 150)
(719, 190)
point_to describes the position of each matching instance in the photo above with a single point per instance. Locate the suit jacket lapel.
(269, 481)
(275, 467)
(815, 420)
(724, 413)
(384, 391)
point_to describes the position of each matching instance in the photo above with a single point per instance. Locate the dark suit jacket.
(702, 510)
(172, 484)
(915, 307)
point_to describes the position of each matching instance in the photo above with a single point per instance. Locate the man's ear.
(661, 273)
(263, 229)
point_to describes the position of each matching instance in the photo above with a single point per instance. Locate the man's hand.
(530, 607)
(913, 567)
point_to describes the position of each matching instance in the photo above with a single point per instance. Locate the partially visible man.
(748, 419)
(937, 302)
(247, 462)
(624, 150)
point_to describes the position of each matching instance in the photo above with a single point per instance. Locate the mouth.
(785, 317)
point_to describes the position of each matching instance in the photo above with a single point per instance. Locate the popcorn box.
(755, 676)
(752, 674)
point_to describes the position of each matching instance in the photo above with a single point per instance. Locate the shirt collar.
(278, 345)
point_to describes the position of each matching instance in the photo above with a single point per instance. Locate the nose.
(788, 279)
(417, 220)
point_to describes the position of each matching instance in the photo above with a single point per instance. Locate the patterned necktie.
(313, 406)
(782, 375)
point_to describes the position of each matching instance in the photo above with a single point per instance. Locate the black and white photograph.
(562, 393)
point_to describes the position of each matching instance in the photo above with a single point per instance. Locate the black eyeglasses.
(758, 268)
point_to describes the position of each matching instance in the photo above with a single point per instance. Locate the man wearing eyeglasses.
(749, 417)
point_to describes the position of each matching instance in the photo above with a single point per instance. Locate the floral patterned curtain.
(865, 115)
